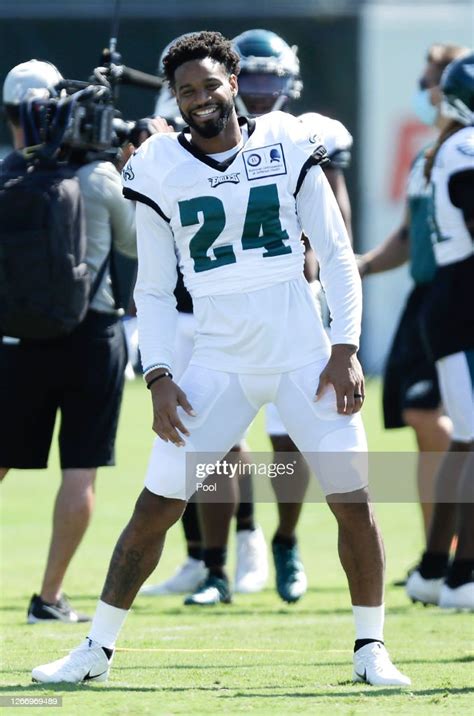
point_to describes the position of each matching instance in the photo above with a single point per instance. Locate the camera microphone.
(128, 76)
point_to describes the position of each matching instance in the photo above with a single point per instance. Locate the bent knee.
(157, 511)
(351, 507)
(422, 420)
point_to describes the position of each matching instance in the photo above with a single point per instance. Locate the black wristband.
(158, 377)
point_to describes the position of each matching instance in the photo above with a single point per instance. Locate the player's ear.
(234, 85)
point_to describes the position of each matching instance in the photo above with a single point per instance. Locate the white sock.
(106, 624)
(369, 622)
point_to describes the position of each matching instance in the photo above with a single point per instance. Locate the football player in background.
(411, 391)
(448, 323)
(269, 79)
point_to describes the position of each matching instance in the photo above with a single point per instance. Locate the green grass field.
(256, 655)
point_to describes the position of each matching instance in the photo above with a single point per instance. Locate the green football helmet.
(457, 84)
(269, 72)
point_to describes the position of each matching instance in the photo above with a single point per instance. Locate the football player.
(449, 329)
(411, 391)
(269, 80)
(207, 558)
(238, 240)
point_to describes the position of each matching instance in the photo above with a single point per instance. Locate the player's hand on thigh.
(344, 372)
(166, 397)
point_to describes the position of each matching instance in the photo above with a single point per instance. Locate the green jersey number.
(213, 224)
(262, 227)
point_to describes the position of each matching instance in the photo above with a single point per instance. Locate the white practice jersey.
(236, 228)
(334, 136)
(451, 239)
(198, 197)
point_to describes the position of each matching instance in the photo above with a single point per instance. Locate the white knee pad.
(166, 473)
(342, 461)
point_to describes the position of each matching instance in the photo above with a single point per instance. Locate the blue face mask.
(424, 110)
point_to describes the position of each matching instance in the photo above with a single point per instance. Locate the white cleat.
(186, 579)
(372, 665)
(88, 662)
(251, 572)
(461, 598)
(423, 590)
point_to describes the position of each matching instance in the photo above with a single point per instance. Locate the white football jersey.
(217, 245)
(451, 239)
(333, 135)
(236, 226)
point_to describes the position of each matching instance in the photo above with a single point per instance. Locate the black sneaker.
(61, 611)
(213, 590)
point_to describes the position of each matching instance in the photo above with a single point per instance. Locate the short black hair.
(197, 46)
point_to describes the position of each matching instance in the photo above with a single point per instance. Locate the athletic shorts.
(226, 403)
(80, 376)
(184, 343)
(448, 313)
(410, 379)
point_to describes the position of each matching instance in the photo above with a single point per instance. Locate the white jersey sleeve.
(333, 134)
(451, 239)
(322, 223)
(156, 280)
(145, 173)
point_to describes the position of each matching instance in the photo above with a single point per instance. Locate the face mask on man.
(424, 110)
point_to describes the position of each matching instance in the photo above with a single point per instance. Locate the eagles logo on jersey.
(216, 245)
(127, 172)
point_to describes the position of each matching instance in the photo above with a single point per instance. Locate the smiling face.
(205, 96)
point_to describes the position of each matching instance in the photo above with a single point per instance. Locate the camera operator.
(81, 374)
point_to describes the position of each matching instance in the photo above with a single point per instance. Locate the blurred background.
(360, 60)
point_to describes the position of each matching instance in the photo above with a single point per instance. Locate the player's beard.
(213, 127)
